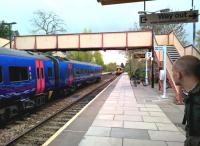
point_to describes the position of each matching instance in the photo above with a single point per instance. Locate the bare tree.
(165, 29)
(198, 40)
(47, 23)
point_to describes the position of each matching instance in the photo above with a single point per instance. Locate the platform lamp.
(10, 29)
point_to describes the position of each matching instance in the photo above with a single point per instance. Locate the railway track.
(38, 127)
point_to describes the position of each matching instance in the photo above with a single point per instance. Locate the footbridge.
(85, 41)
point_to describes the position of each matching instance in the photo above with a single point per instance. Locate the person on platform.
(186, 74)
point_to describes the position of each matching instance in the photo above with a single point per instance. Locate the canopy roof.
(108, 2)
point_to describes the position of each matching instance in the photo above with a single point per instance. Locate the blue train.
(28, 79)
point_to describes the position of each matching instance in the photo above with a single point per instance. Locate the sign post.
(169, 17)
(164, 49)
(147, 56)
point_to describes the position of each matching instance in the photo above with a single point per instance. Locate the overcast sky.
(80, 14)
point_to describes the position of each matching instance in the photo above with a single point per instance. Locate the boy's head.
(186, 68)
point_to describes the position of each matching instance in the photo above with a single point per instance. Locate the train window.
(0, 75)
(50, 72)
(18, 73)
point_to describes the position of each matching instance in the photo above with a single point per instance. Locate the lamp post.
(194, 27)
(10, 30)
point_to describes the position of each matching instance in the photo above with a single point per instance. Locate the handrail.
(8, 43)
(154, 37)
(5, 44)
(184, 47)
(191, 45)
(177, 38)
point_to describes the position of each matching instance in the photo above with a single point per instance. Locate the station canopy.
(109, 2)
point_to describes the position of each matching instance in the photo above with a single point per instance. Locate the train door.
(40, 76)
(70, 74)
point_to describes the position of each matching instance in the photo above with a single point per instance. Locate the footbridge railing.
(86, 41)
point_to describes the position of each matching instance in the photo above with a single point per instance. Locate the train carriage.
(25, 78)
(85, 72)
(28, 80)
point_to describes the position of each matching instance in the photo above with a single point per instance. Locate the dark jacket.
(192, 112)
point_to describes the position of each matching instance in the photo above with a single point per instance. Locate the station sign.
(148, 55)
(169, 17)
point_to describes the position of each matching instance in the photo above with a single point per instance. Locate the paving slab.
(107, 123)
(98, 131)
(129, 108)
(150, 109)
(112, 111)
(175, 144)
(136, 113)
(105, 117)
(136, 142)
(156, 119)
(129, 133)
(166, 136)
(151, 105)
(159, 114)
(167, 127)
(140, 125)
(100, 141)
(128, 118)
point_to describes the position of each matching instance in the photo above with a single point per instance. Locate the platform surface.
(116, 119)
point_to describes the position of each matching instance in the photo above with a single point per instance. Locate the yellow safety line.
(71, 120)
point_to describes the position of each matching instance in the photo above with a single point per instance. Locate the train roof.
(84, 63)
(75, 62)
(13, 52)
